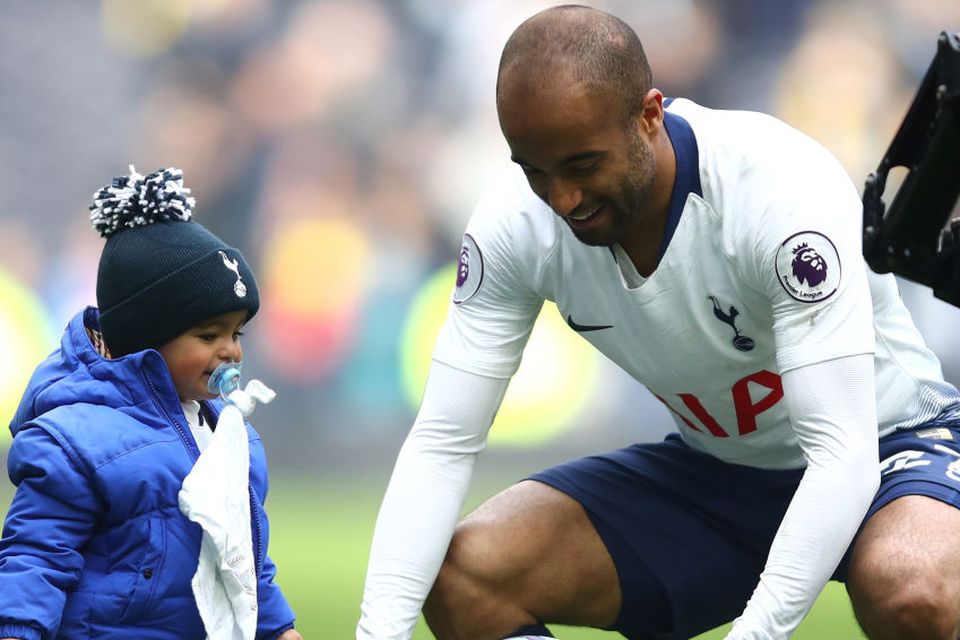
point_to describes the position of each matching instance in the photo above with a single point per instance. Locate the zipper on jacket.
(155, 394)
(256, 531)
(255, 526)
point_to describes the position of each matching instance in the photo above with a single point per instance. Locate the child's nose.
(231, 352)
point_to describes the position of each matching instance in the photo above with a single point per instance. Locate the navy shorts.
(689, 534)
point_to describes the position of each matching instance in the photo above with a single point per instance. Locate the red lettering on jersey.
(747, 410)
(677, 413)
(708, 421)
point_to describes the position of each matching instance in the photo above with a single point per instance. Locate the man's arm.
(424, 498)
(833, 408)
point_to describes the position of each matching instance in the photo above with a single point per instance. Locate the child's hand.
(289, 634)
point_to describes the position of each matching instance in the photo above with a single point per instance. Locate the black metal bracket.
(914, 237)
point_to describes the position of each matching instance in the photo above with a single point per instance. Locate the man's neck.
(643, 242)
(643, 248)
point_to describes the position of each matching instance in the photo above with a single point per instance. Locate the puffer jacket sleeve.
(53, 514)
(275, 615)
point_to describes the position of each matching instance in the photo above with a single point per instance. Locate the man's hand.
(289, 634)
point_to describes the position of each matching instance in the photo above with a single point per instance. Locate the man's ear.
(650, 117)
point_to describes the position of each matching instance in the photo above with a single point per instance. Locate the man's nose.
(563, 196)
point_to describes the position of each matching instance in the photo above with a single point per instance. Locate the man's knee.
(905, 607)
(903, 580)
(527, 555)
(459, 579)
(464, 601)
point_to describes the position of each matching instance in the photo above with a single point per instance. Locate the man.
(715, 256)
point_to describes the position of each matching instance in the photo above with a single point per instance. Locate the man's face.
(193, 355)
(580, 156)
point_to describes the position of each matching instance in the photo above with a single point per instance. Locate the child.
(94, 544)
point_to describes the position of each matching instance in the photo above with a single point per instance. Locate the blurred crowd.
(341, 144)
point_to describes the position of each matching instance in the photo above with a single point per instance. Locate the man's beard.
(624, 208)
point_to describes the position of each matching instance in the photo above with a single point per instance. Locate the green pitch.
(320, 537)
(320, 533)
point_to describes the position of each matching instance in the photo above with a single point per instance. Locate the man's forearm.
(834, 405)
(424, 498)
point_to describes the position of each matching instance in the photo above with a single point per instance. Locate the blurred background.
(341, 144)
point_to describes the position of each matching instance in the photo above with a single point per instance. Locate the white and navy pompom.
(137, 201)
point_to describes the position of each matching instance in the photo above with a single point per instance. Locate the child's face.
(193, 355)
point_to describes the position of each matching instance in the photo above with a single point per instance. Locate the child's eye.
(208, 337)
(237, 335)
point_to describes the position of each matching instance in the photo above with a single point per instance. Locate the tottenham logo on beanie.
(160, 272)
(238, 287)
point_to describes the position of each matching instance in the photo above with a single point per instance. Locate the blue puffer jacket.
(94, 544)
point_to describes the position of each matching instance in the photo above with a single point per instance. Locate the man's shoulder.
(753, 138)
(511, 221)
(732, 122)
(509, 199)
(748, 158)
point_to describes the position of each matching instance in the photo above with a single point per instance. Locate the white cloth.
(215, 495)
(200, 428)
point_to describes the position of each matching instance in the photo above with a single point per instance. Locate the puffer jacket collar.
(138, 383)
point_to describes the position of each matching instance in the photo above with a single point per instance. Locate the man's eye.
(584, 168)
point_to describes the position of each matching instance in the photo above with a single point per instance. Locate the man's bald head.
(580, 44)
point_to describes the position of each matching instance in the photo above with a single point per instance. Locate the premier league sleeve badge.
(469, 270)
(808, 266)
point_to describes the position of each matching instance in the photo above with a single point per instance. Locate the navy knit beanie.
(160, 273)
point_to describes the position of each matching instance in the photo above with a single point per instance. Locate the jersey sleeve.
(495, 299)
(841, 448)
(424, 497)
(801, 237)
(495, 303)
(798, 241)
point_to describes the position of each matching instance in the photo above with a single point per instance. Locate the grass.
(320, 533)
(320, 538)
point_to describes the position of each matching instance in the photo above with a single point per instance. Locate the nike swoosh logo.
(581, 328)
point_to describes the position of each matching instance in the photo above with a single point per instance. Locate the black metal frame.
(912, 237)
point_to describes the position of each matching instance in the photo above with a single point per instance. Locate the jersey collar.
(687, 180)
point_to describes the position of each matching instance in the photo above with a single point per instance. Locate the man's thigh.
(688, 534)
(923, 461)
(906, 554)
